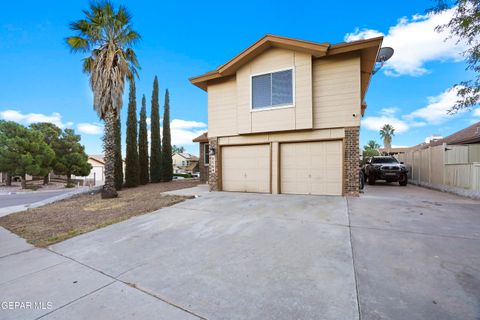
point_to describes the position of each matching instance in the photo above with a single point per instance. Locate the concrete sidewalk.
(63, 288)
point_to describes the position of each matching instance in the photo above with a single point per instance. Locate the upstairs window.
(272, 89)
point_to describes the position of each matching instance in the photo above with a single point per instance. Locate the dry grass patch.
(65, 219)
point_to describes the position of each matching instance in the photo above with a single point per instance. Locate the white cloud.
(436, 111)
(415, 42)
(433, 137)
(360, 34)
(389, 111)
(376, 123)
(17, 116)
(90, 128)
(184, 137)
(186, 124)
(183, 131)
(476, 112)
(148, 121)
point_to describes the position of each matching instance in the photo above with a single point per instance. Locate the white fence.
(452, 168)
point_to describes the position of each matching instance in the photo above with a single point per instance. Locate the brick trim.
(351, 185)
(214, 166)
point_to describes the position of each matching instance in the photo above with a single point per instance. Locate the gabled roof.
(268, 41)
(97, 157)
(368, 50)
(187, 156)
(468, 135)
(201, 138)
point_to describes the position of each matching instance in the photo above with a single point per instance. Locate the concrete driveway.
(254, 256)
(416, 253)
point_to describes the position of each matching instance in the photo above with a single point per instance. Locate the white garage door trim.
(255, 176)
(298, 175)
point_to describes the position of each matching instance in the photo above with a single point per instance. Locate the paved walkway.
(254, 256)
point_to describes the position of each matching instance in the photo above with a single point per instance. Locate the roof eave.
(268, 41)
(368, 48)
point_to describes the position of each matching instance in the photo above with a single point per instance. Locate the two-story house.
(284, 116)
(184, 162)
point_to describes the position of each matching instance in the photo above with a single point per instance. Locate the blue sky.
(42, 80)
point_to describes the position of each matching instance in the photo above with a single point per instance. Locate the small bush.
(70, 185)
(185, 175)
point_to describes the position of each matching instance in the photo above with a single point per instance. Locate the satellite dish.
(384, 54)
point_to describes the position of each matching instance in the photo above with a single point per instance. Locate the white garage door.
(311, 168)
(246, 168)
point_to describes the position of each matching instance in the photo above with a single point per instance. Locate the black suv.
(385, 168)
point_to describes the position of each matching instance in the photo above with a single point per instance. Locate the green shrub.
(185, 175)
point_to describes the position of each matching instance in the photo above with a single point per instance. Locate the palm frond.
(87, 64)
(77, 43)
(106, 32)
(131, 57)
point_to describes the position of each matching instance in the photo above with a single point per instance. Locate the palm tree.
(372, 145)
(371, 149)
(387, 132)
(106, 35)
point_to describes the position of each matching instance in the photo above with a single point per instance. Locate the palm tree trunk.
(46, 179)
(109, 149)
(8, 180)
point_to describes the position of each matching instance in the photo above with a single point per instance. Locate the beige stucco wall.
(222, 105)
(326, 95)
(336, 92)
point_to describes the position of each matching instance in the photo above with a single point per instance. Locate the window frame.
(276, 107)
(206, 155)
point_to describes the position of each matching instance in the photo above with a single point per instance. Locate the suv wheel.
(403, 179)
(371, 180)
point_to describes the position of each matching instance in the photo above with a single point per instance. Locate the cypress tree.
(143, 144)
(156, 143)
(118, 168)
(132, 173)
(167, 165)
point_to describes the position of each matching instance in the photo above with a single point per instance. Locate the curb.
(9, 210)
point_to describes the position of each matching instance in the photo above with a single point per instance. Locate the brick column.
(201, 164)
(214, 166)
(351, 186)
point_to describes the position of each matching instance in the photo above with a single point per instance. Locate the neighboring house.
(449, 164)
(284, 116)
(204, 158)
(3, 177)
(184, 162)
(97, 174)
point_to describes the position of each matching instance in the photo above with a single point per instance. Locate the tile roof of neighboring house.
(394, 150)
(202, 138)
(191, 166)
(187, 156)
(97, 157)
(470, 134)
